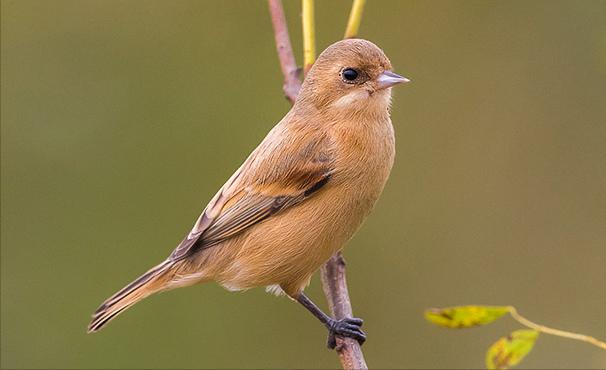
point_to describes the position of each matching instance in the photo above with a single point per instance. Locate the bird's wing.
(272, 179)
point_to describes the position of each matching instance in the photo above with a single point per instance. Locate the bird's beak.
(388, 79)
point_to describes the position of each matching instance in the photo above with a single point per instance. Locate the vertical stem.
(309, 34)
(334, 284)
(292, 84)
(355, 17)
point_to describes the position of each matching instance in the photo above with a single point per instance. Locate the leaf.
(510, 350)
(465, 316)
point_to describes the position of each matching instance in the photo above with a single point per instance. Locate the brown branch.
(292, 84)
(334, 283)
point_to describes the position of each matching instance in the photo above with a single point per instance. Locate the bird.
(299, 196)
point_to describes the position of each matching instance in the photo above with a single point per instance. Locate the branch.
(334, 283)
(292, 84)
(309, 34)
(355, 17)
(560, 333)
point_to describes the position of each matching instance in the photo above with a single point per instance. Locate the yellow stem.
(355, 17)
(309, 34)
(560, 333)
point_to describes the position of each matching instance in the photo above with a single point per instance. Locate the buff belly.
(288, 248)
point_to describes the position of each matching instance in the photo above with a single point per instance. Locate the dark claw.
(332, 340)
(348, 327)
(355, 321)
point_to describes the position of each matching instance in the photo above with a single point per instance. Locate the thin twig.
(334, 283)
(309, 34)
(292, 84)
(355, 17)
(560, 333)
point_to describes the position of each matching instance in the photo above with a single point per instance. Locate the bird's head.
(351, 76)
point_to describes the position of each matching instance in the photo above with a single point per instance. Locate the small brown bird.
(298, 198)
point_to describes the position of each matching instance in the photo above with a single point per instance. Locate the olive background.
(121, 119)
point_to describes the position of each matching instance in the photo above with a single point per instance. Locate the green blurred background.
(120, 120)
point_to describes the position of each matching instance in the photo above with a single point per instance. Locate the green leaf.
(510, 350)
(465, 316)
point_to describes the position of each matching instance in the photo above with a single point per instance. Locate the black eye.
(349, 74)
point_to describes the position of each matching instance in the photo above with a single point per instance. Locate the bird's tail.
(152, 281)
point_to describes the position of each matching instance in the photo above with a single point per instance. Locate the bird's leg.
(347, 327)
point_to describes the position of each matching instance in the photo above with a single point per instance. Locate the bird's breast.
(364, 160)
(365, 155)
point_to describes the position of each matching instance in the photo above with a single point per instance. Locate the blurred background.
(121, 119)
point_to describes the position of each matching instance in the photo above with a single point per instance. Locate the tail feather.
(151, 282)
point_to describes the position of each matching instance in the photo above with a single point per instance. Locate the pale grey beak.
(388, 79)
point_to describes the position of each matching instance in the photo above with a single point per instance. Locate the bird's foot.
(348, 327)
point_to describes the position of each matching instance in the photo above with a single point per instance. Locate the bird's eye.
(349, 74)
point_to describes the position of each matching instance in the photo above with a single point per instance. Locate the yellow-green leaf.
(465, 316)
(510, 350)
